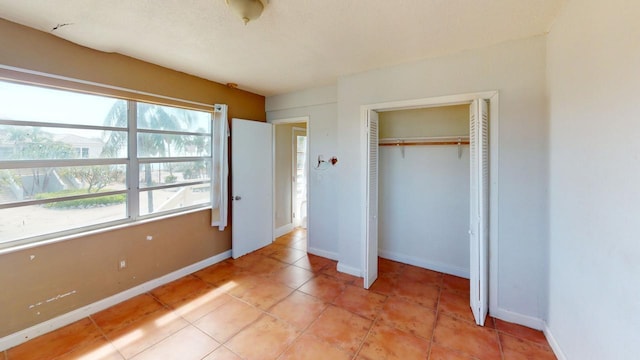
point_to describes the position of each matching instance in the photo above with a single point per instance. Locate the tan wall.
(88, 265)
(435, 121)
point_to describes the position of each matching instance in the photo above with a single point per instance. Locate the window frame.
(133, 190)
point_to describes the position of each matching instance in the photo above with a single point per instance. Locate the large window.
(71, 162)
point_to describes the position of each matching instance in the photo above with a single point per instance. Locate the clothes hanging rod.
(417, 141)
(426, 143)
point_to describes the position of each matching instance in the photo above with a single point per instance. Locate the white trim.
(494, 121)
(27, 334)
(553, 343)
(431, 265)
(438, 101)
(494, 155)
(349, 270)
(513, 317)
(284, 229)
(323, 253)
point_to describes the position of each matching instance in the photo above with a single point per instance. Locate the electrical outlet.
(122, 264)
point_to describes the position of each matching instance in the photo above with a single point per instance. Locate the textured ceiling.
(296, 44)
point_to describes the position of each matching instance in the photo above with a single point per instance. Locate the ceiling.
(296, 44)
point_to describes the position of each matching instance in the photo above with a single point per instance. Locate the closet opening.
(423, 188)
(426, 188)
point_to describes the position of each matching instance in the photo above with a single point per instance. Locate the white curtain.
(220, 167)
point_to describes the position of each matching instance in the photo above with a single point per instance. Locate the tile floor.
(280, 303)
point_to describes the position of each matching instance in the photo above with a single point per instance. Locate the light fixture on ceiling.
(247, 9)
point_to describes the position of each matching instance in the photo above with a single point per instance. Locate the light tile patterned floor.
(280, 303)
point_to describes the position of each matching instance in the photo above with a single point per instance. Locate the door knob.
(236, 198)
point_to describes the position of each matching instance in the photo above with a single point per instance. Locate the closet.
(423, 187)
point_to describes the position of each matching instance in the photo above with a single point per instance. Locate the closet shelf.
(417, 141)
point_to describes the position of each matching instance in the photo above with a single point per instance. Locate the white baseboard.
(284, 229)
(323, 253)
(435, 266)
(27, 334)
(524, 320)
(349, 270)
(533, 323)
(553, 343)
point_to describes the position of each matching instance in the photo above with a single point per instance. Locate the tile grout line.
(328, 304)
(435, 322)
(166, 307)
(530, 342)
(104, 335)
(364, 338)
(301, 331)
(495, 329)
(373, 323)
(267, 313)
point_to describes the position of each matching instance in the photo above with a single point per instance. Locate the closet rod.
(464, 142)
(442, 140)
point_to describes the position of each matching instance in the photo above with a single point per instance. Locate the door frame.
(492, 97)
(299, 119)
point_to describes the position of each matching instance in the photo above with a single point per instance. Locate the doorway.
(483, 167)
(291, 161)
(299, 172)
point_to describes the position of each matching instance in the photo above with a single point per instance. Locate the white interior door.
(371, 260)
(479, 209)
(252, 186)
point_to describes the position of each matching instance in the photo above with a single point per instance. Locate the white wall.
(517, 70)
(319, 105)
(594, 82)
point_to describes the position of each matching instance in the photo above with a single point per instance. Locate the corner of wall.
(555, 346)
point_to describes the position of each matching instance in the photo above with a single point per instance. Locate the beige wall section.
(88, 265)
(435, 121)
(284, 153)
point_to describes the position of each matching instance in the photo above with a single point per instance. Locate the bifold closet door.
(479, 210)
(371, 261)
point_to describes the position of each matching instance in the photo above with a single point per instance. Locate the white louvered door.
(371, 262)
(479, 209)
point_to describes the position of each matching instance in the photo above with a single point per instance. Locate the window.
(82, 152)
(70, 162)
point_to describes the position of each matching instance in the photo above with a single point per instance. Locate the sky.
(31, 103)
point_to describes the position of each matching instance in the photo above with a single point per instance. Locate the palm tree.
(149, 144)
